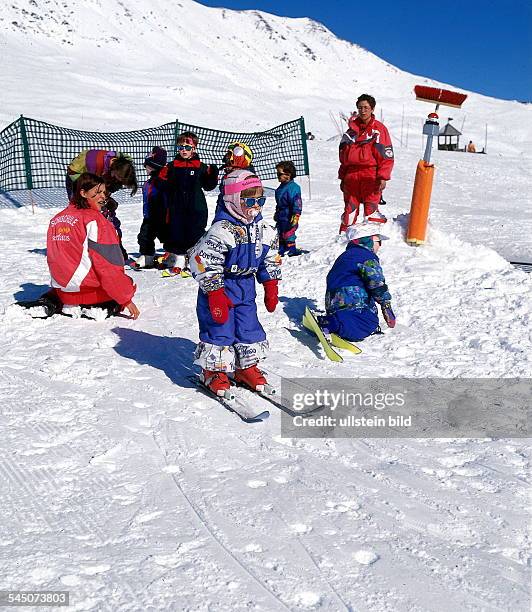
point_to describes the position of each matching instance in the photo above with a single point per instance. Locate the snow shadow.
(294, 308)
(8, 201)
(170, 354)
(30, 291)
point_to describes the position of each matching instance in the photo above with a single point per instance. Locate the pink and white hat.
(235, 183)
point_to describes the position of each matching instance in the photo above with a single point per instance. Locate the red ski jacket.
(366, 146)
(85, 260)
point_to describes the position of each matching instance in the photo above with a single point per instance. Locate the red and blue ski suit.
(182, 181)
(366, 157)
(354, 283)
(229, 256)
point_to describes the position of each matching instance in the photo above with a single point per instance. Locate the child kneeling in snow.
(355, 283)
(237, 247)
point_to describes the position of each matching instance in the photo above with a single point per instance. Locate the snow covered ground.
(124, 485)
(128, 487)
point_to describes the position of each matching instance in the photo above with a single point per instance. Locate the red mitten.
(271, 298)
(219, 305)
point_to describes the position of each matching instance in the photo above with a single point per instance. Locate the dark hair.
(123, 174)
(367, 98)
(85, 182)
(191, 135)
(288, 168)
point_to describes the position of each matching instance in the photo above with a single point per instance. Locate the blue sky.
(479, 45)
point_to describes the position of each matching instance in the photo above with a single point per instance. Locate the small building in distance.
(449, 137)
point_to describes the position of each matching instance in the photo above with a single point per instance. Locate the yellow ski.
(310, 322)
(345, 344)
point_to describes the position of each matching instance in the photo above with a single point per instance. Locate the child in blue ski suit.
(355, 284)
(153, 209)
(288, 209)
(238, 247)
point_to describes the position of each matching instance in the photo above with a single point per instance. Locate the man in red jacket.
(366, 162)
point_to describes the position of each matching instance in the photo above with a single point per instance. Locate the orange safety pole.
(419, 209)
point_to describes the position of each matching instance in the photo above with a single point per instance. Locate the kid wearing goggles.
(238, 247)
(183, 181)
(288, 209)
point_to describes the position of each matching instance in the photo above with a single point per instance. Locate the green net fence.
(35, 154)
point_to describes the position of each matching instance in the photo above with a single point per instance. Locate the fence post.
(26, 148)
(27, 160)
(305, 152)
(176, 134)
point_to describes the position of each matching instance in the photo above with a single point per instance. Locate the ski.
(171, 272)
(298, 253)
(310, 322)
(345, 344)
(232, 402)
(271, 394)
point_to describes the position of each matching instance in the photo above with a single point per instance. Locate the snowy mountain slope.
(141, 63)
(124, 485)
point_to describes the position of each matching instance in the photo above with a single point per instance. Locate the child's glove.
(271, 298)
(387, 313)
(294, 220)
(219, 305)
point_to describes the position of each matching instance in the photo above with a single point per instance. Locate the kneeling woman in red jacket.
(84, 256)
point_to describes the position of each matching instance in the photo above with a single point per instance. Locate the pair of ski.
(165, 273)
(328, 343)
(236, 400)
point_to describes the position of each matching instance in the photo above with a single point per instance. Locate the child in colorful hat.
(238, 247)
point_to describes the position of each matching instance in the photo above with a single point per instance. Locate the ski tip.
(257, 418)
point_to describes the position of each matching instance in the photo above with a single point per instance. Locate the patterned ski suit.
(230, 255)
(366, 157)
(354, 283)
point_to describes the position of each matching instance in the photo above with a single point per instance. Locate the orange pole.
(419, 209)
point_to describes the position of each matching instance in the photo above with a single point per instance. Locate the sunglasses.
(251, 202)
(279, 174)
(185, 148)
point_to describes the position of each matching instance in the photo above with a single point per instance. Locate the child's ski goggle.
(252, 202)
(185, 148)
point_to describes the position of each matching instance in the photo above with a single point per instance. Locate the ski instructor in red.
(366, 162)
